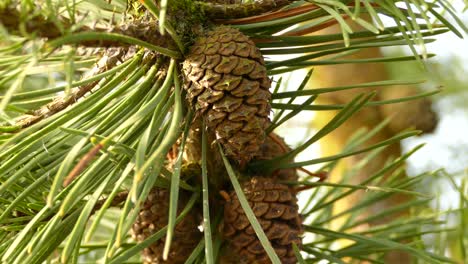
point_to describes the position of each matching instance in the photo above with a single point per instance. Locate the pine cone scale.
(277, 214)
(210, 61)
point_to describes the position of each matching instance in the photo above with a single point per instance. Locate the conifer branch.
(270, 16)
(110, 59)
(238, 10)
(12, 19)
(143, 30)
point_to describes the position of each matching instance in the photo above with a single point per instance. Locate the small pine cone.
(226, 83)
(275, 206)
(275, 146)
(153, 216)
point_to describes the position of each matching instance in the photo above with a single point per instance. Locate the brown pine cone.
(275, 206)
(227, 84)
(275, 146)
(153, 216)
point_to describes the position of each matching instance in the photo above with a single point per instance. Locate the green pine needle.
(206, 206)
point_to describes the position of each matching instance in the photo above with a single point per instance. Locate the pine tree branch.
(110, 59)
(144, 30)
(13, 20)
(270, 16)
(238, 10)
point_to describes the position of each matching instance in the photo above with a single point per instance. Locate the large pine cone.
(275, 206)
(153, 216)
(228, 85)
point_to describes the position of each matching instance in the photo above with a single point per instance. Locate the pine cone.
(275, 206)
(274, 146)
(154, 216)
(228, 85)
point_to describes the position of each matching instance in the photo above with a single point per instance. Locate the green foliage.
(61, 177)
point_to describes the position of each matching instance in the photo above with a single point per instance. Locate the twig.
(140, 29)
(321, 175)
(290, 12)
(110, 59)
(269, 16)
(227, 11)
(310, 30)
(13, 20)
